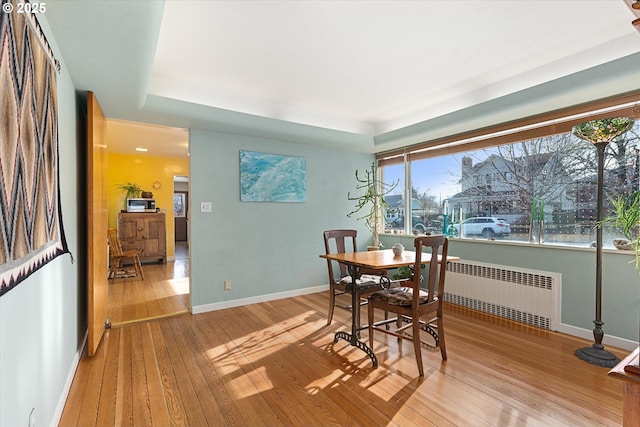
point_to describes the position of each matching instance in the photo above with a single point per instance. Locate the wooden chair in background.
(118, 258)
(410, 302)
(341, 241)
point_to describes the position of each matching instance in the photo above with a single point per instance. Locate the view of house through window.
(539, 190)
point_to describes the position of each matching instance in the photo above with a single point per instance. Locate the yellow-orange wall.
(145, 170)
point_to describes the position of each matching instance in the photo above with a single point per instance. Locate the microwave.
(141, 205)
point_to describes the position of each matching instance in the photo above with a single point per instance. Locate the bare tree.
(622, 173)
(561, 169)
(622, 159)
(428, 203)
(552, 168)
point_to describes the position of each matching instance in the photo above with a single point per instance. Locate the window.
(395, 210)
(542, 188)
(179, 205)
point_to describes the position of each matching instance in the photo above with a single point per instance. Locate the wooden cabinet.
(145, 232)
(628, 371)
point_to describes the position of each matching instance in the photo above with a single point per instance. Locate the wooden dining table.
(371, 260)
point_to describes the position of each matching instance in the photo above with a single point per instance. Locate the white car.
(486, 226)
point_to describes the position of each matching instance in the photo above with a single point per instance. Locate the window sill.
(520, 244)
(541, 245)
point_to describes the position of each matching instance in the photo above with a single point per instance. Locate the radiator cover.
(527, 296)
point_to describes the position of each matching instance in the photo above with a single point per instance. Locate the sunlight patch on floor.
(180, 286)
(180, 269)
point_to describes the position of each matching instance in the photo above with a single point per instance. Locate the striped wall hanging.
(31, 230)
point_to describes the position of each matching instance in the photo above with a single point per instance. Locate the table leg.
(353, 337)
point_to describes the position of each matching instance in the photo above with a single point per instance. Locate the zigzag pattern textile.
(31, 230)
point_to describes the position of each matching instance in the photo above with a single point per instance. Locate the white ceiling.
(367, 75)
(373, 67)
(160, 141)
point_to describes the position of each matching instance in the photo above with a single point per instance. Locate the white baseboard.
(57, 415)
(618, 342)
(260, 298)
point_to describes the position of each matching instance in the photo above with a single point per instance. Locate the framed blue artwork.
(272, 178)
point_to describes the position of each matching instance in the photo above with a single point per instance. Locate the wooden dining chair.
(417, 308)
(118, 258)
(341, 241)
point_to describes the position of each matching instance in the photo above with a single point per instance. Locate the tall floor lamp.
(600, 133)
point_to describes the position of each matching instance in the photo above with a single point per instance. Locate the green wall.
(263, 248)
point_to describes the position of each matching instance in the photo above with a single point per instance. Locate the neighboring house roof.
(494, 160)
(475, 190)
(474, 193)
(396, 201)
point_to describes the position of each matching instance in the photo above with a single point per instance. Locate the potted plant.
(625, 214)
(131, 190)
(371, 203)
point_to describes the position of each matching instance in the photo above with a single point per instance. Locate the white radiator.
(528, 296)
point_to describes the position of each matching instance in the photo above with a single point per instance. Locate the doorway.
(181, 216)
(165, 290)
(181, 209)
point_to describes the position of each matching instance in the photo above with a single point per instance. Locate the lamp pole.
(596, 354)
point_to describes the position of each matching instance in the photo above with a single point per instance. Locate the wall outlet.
(227, 285)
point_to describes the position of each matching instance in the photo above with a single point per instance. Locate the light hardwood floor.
(164, 292)
(275, 364)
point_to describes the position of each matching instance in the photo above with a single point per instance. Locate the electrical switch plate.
(206, 207)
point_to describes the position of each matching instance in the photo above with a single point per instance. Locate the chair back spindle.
(335, 242)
